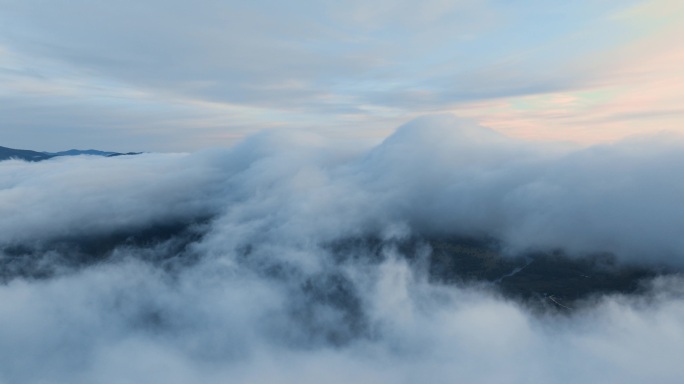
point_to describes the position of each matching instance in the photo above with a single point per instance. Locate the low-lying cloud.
(234, 265)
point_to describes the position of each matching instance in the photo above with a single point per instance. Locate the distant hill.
(27, 155)
(22, 154)
(77, 152)
(124, 154)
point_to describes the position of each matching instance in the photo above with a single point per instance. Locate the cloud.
(192, 72)
(249, 288)
(630, 87)
(434, 175)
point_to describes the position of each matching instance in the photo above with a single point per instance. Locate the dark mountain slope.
(77, 152)
(22, 154)
(27, 155)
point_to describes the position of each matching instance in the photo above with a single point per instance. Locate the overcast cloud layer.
(240, 283)
(166, 75)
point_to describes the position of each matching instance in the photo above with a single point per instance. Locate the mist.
(293, 258)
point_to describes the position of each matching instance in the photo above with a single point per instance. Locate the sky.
(179, 76)
(301, 157)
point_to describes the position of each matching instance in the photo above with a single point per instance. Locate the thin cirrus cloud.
(634, 88)
(175, 76)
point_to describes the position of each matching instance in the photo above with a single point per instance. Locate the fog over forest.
(293, 258)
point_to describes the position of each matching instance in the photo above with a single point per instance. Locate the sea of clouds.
(218, 266)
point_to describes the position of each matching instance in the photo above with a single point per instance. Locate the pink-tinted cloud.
(636, 88)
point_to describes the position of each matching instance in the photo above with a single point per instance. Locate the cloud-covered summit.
(290, 258)
(435, 175)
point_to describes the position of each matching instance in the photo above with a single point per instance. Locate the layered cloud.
(248, 286)
(169, 76)
(434, 175)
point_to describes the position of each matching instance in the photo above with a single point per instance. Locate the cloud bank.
(218, 265)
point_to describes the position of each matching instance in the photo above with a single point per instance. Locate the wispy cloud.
(226, 69)
(632, 88)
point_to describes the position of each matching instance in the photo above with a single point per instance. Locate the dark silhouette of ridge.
(28, 155)
(77, 152)
(22, 154)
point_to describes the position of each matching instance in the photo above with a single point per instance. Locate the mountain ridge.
(7, 153)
